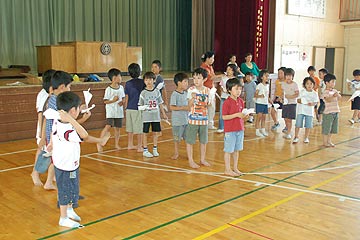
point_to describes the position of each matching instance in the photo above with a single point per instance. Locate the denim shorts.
(68, 186)
(178, 132)
(233, 141)
(261, 108)
(300, 118)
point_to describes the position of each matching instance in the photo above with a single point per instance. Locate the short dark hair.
(149, 75)
(231, 83)
(249, 73)
(201, 71)
(206, 55)
(356, 72)
(234, 68)
(67, 100)
(282, 69)
(46, 79)
(311, 68)
(324, 71)
(262, 73)
(59, 78)
(290, 71)
(308, 79)
(179, 77)
(134, 70)
(157, 62)
(248, 54)
(328, 77)
(113, 73)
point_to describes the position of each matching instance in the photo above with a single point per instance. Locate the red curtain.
(236, 23)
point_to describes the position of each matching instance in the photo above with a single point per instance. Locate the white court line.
(245, 140)
(21, 151)
(15, 168)
(257, 183)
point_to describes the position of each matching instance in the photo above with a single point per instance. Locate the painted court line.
(21, 151)
(273, 205)
(258, 234)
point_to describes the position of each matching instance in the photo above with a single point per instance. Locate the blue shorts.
(300, 121)
(68, 186)
(233, 141)
(261, 108)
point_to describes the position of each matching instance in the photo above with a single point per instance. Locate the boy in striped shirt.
(198, 99)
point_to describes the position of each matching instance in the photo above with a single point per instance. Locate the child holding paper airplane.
(354, 86)
(233, 116)
(262, 101)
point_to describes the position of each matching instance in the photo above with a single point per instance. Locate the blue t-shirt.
(133, 89)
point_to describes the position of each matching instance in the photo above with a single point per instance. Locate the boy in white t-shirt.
(66, 136)
(114, 99)
(308, 98)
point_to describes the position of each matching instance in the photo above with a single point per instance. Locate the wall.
(305, 33)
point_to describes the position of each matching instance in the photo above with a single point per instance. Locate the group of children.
(144, 99)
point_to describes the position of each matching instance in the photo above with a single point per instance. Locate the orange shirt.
(208, 82)
(317, 82)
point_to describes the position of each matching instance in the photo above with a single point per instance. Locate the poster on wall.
(307, 8)
(290, 56)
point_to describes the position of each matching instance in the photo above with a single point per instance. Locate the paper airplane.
(88, 109)
(51, 114)
(248, 111)
(87, 96)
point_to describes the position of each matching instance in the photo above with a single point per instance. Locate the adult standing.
(249, 66)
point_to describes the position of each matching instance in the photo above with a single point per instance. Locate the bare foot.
(140, 149)
(331, 144)
(118, 148)
(105, 138)
(131, 147)
(36, 178)
(49, 187)
(238, 173)
(99, 148)
(230, 173)
(193, 165)
(175, 156)
(205, 163)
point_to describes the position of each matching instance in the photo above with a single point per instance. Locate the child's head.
(232, 58)
(233, 86)
(199, 76)
(308, 83)
(149, 79)
(61, 81)
(248, 76)
(289, 74)
(248, 57)
(208, 57)
(356, 74)
(232, 70)
(69, 102)
(46, 79)
(181, 80)
(323, 72)
(311, 70)
(281, 73)
(134, 70)
(156, 67)
(329, 80)
(264, 76)
(114, 75)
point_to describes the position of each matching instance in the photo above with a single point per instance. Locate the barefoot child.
(65, 139)
(330, 124)
(198, 97)
(179, 107)
(114, 98)
(233, 126)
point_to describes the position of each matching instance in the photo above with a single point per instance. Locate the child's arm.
(121, 103)
(295, 95)
(256, 95)
(179, 108)
(164, 96)
(115, 99)
(163, 111)
(66, 117)
(126, 101)
(235, 115)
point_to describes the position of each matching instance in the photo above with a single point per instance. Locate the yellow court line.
(262, 210)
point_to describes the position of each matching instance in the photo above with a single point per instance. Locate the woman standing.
(249, 66)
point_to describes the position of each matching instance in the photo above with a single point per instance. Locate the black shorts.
(114, 122)
(289, 111)
(355, 104)
(155, 127)
(321, 107)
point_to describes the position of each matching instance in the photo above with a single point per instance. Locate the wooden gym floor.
(314, 195)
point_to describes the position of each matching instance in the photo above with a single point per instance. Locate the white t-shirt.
(66, 146)
(263, 90)
(307, 97)
(114, 110)
(224, 93)
(40, 102)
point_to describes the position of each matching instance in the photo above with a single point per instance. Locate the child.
(179, 107)
(279, 94)
(261, 103)
(291, 92)
(65, 139)
(156, 69)
(249, 90)
(198, 97)
(354, 85)
(134, 123)
(308, 98)
(40, 103)
(311, 70)
(234, 126)
(231, 72)
(331, 113)
(113, 99)
(321, 89)
(151, 98)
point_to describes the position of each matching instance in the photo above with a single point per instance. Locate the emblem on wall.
(105, 48)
